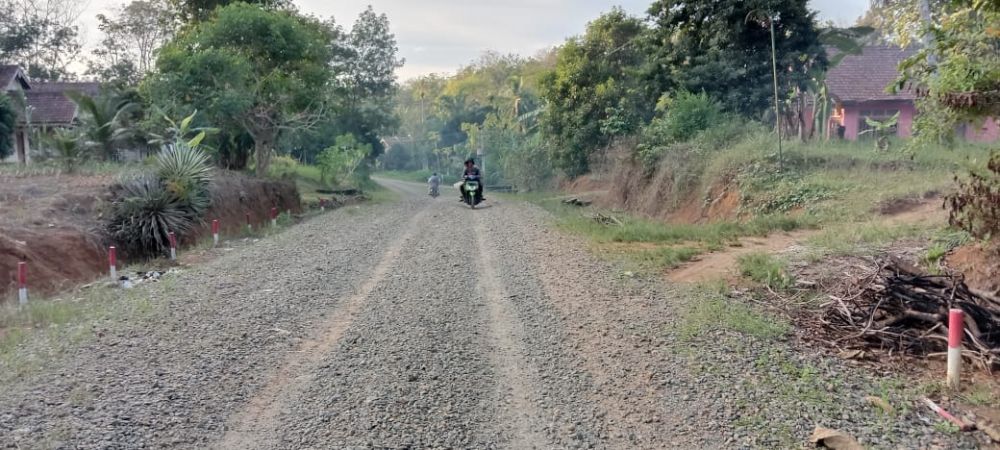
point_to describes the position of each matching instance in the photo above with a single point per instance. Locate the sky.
(439, 36)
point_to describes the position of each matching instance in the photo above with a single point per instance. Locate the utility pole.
(777, 110)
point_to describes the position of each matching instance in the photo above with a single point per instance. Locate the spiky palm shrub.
(173, 198)
(186, 172)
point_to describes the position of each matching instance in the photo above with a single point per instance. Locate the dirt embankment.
(665, 195)
(54, 223)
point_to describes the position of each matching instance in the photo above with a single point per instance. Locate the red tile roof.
(50, 108)
(91, 88)
(8, 73)
(864, 77)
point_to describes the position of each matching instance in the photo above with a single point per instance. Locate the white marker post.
(956, 328)
(215, 233)
(22, 283)
(113, 262)
(322, 205)
(249, 224)
(173, 245)
(274, 217)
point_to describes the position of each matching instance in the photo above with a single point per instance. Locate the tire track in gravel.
(255, 426)
(508, 358)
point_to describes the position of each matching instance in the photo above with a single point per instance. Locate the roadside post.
(215, 233)
(956, 328)
(249, 224)
(322, 205)
(22, 283)
(274, 217)
(113, 262)
(173, 245)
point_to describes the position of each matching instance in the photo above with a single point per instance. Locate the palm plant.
(67, 147)
(185, 172)
(143, 215)
(103, 122)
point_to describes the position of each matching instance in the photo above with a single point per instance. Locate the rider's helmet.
(470, 161)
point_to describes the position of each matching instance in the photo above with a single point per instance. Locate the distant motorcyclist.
(434, 182)
(472, 173)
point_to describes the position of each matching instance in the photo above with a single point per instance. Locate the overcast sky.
(439, 36)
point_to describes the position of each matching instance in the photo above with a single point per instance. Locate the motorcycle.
(433, 192)
(470, 193)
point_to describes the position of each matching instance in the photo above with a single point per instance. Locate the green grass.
(708, 311)
(57, 325)
(765, 269)
(89, 168)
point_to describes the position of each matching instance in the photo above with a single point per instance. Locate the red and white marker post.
(22, 283)
(173, 245)
(215, 233)
(322, 205)
(113, 262)
(274, 216)
(249, 223)
(956, 328)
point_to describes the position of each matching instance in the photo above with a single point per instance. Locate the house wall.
(988, 131)
(852, 116)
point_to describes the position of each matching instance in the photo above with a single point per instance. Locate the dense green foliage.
(594, 94)
(723, 48)
(8, 120)
(562, 112)
(250, 70)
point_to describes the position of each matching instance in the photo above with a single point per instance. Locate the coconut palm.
(103, 122)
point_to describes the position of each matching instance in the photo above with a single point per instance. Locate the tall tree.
(723, 47)
(132, 39)
(367, 76)
(248, 69)
(40, 35)
(199, 10)
(594, 94)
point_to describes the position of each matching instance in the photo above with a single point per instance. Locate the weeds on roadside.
(709, 311)
(766, 270)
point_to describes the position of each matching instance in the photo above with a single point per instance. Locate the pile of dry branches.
(898, 307)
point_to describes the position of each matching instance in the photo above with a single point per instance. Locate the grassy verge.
(656, 245)
(57, 325)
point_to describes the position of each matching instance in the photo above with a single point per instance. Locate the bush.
(173, 198)
(765, 269)
(66, 148)
(283, 167)
(687, 115)
(975, 207)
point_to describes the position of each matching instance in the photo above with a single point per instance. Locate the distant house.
(857, 86)
(44, 106)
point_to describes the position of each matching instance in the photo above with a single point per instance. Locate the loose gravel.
(423, 324)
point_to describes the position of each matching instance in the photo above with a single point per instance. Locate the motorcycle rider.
(434, 181)
(472, 173)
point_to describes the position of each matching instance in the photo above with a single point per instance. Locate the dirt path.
(416, 324)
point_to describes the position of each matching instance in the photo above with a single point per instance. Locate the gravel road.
(416, 324)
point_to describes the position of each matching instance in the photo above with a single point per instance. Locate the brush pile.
(897, 307)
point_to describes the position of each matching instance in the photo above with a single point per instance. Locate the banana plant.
(182, 132)
(879, 129)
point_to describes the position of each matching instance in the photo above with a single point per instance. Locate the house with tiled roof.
(857, 86)
(43, 106)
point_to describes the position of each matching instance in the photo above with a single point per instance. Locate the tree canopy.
(250, 70)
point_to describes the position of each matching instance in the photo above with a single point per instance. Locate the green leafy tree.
(8, 121)
(250, 70)
(66, 147)
(339, 162)
(367, 77)
(199, 10)
(723, 48)
(594, 94)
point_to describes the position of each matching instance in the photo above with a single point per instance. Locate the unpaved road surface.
(416, 324)
(412, 325)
